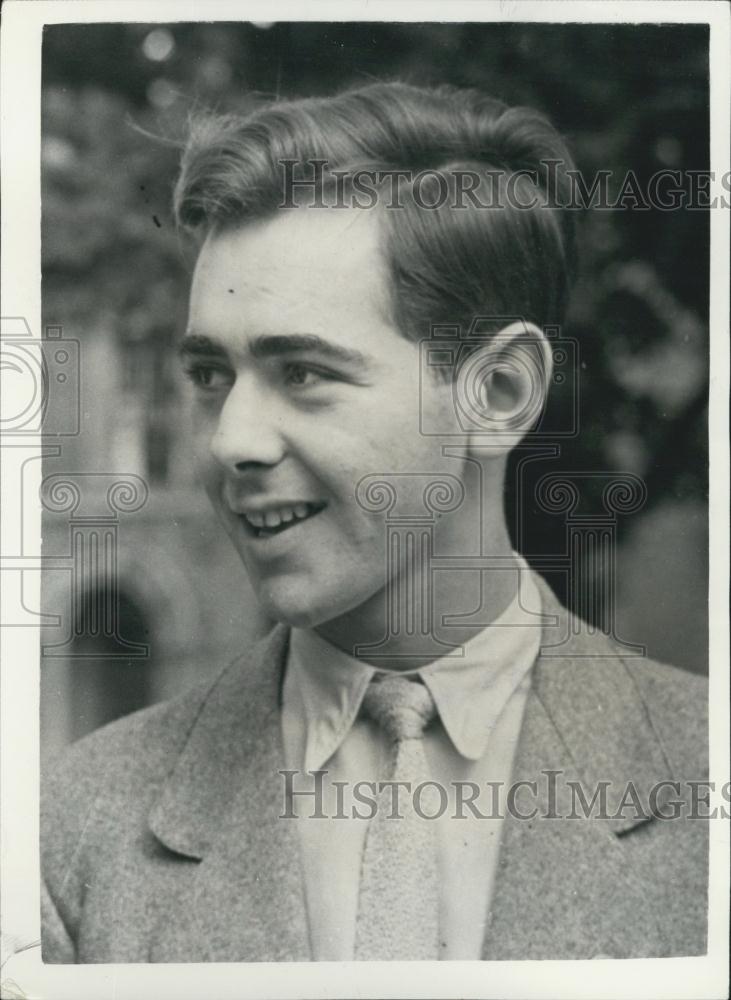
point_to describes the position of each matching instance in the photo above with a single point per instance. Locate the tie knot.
(403, 708)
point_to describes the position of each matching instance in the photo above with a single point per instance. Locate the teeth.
(275, 518)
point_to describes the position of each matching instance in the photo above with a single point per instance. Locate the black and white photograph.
(365, 463)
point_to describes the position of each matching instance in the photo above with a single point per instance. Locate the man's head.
(305, 322)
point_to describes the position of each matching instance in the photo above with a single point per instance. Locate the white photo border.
(23, 973)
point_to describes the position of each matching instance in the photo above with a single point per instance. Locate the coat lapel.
(222, 806)
(566, 888)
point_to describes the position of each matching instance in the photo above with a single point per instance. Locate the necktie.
(398, 912)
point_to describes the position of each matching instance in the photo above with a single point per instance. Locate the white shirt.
(480, 697)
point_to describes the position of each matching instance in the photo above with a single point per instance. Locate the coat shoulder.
(116, 770)
(124, 764)
(97, 803)
(676, 702)
(119, 769)
(136, 746)
(592, 685)
(102, 783)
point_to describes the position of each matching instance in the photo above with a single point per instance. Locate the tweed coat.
(162, 839)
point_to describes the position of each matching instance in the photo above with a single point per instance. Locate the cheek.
(202, 436)
(208, 473)
(381, 444)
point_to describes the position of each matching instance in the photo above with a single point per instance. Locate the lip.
(266, 505)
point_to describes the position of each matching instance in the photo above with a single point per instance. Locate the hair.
(447, 264)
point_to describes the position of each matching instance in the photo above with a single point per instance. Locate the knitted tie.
(398, 902)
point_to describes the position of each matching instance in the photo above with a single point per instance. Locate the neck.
(421, 615)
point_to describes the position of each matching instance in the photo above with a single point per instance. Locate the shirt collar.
(470, 691)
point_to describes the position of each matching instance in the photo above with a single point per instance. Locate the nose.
(247, 431)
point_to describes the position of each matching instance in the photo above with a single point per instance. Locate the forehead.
(314, 270)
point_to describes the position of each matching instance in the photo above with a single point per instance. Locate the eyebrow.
(195, 343)
(275, 345)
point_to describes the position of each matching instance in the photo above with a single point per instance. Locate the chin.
(300, 607)
(295, 609)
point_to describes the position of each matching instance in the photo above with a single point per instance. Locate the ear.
(502, 387)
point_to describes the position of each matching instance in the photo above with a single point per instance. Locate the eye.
(302, 376)
(208, 377)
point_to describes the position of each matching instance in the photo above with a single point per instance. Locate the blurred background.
(115, 275)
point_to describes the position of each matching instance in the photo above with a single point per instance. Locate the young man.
(428, 757)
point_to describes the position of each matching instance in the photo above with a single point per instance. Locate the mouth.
(277, 520)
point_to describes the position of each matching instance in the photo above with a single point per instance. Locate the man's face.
(303, 386)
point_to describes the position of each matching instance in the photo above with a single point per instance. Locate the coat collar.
(222, 804)
(589, 696)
